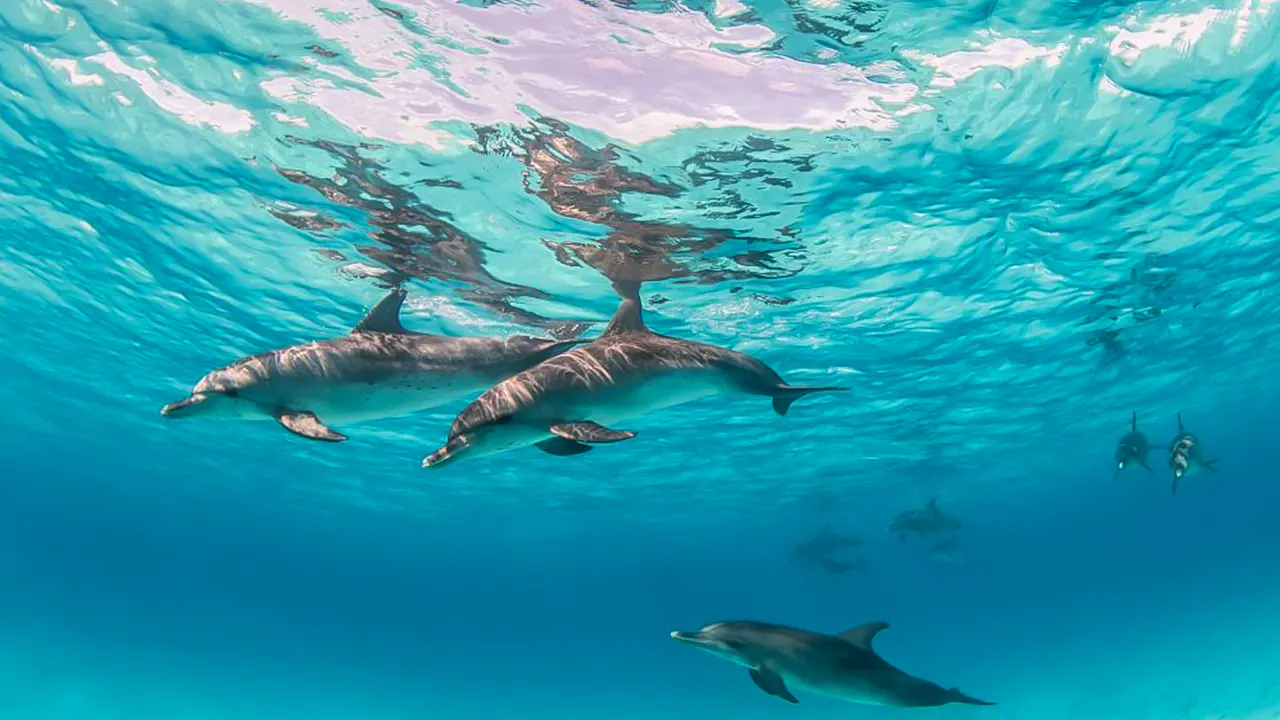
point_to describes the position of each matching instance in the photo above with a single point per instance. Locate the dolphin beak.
(446, 454)
(692, 638)
(175, 409)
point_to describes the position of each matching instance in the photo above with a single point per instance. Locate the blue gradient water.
(1005, 226)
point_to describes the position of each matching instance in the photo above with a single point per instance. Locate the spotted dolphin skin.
(842, 666)
(1132, 450)
(1186, 456)
(378, 370)
(566, 404)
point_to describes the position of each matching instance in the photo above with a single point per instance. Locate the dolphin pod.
(562, 397)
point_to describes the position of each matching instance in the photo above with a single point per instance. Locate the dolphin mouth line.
(176, 407)
(691, 638)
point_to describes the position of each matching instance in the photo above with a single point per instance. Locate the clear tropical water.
(1006, 226)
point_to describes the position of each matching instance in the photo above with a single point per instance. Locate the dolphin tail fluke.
(784, 395)
(959, 697)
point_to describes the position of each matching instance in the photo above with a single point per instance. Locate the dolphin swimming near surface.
(1132, 450)
(377, 370)
(566, 404)
(928, 520)
(842, 666)
(1186, 456)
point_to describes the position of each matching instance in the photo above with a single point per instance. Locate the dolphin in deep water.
(1186, 456)
(566, 404)
(928, 520)
(842, 666)
(378, 370)
(1132, 450)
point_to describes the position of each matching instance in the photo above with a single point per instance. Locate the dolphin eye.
(231, 392)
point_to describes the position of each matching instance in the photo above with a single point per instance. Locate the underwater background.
(1006, 226)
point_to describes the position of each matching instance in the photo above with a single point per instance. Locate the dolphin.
(1132, 450)
(1186, 456)
(564, 405)
(377, 370)
(823, 545)
(842, 666)
(926, 521)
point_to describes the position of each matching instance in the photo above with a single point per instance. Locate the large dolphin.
(566, 404)
(378, 370)
(1132, 450)
(843, 666)
(1186, 456)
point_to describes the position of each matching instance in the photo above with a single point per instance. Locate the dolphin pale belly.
(844, 666)
(1186, 456)
(568, 403)
(378, 370)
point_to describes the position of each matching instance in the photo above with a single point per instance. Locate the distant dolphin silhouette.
(845, 667)
(564, 405)
(1132, 450)
(378, 370)
(1186, 456)
(928, 520)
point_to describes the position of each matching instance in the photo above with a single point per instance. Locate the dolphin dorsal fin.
(1180, 427)
(385, 316)
(628, 317)
(864, 634)
(932, 506)
(1135, 421)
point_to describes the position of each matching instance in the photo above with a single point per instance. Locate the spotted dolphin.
(1186, 456)
(845, 666)
(1132, 450)
(377, 370)
(566, 404)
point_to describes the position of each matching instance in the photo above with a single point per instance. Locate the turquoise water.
(1004, 226)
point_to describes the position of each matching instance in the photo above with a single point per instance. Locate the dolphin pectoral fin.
(1146, 467)
(1210, 465)
(864, 634)
(562, 447)
(1175, 486)
(589, 432)
(309, 426)
(771, 682)
(784, 395)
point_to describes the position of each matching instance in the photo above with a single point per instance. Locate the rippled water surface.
(1005, 226)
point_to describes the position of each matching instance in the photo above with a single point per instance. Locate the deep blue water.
(1004, 226)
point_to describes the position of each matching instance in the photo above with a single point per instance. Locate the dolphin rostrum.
(1186, 456)
(377, 370)
(566, 404)
(1132, 450)
(842, 666)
